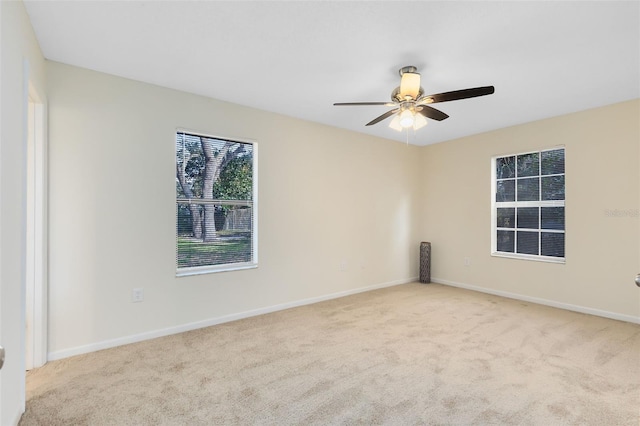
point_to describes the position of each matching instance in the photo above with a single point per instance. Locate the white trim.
(227, 267)
(254, 196)
(515, 154)
(30, 238)
(540, 301)
(534, 257)
(106, 344)
(212, 136)
(40, 323)
(20, 387)
(36, 231)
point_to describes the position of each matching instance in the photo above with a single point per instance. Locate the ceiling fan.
(411, 106)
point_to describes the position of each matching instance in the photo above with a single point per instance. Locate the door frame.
(36, 256)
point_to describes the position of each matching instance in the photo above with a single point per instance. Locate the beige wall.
(602, 250)
(325, 196)
(21, 63)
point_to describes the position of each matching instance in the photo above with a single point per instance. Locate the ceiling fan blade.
(410, 85)
(432, 113)
(459, 94)
(383, 116)
(363, 103)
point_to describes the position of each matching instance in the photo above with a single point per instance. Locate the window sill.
(546, 259)
(201, 270)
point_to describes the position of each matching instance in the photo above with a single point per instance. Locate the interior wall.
(21, 62)
(602, 205)
(326, 196)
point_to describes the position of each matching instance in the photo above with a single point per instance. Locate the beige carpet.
(410, 354)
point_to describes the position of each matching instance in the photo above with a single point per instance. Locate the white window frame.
(198, 270)
(522, 204)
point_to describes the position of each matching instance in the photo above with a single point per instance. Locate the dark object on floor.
(425, 262)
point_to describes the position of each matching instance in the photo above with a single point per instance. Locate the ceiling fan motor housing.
(397, 97)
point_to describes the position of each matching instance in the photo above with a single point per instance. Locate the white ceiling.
(298, 57)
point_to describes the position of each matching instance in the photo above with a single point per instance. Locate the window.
(215, 204)
(528, 206)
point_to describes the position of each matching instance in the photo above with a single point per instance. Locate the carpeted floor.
(405, 355)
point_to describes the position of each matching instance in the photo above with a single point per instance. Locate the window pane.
(506, 190)
(506, 218)
(553, 187)
(506, 241)
(528, 217)
(552, 244)
(528, 189)
(505, 167)
(527, 242)
(553, 162)
(528, 164)
(552, 218)
(229, 243)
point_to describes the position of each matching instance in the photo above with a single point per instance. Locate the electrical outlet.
(137, 295)
(467, 261)
(343, 265)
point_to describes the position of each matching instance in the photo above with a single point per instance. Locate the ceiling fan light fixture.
(419, 121)
(410, 85)
(395, 123)
(406, 118)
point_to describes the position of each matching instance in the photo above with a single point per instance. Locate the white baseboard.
(552, 303)
(106, 344)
